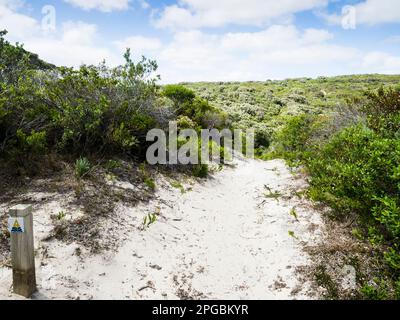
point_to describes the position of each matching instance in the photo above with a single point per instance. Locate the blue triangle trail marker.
(16, 228)
(16, 225)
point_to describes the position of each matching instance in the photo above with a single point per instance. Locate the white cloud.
(79, 33)
(381, 62)
(392, 40)
(192, 14)
(378, 11)
(144, 4)
(277, 52)
(18, 25)
(102, 5)
(316, 36)
(12, 4)
(75, 45)
(140, 45)
(371, 12)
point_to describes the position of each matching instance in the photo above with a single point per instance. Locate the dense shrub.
(91, 111)
(94, 109)
(356, 170)
(186, 104)
(293, 139)
(179, 94)
(101, 109)
(383, 110)
(200, 170)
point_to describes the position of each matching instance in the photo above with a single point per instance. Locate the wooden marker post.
(20, 225)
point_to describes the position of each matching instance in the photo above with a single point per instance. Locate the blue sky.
(208, 40)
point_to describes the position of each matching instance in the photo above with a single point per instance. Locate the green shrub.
(100, 109)
(353, 169)
(188, 107)
(200, 171)
(383, 110)
(292, 141)
(82, 167)
(397, 290)
(150, 183)
(112, 164)
(34, 143)
(392, 258)
(373, 293)
(123, 138)
(179, 94)
(90, 110)
(184, 122)
(387, 212)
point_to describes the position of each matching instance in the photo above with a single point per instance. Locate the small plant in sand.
(61, 215)
(357, 233)
(147, 179)
(149, 220)
(150, 183)
(111, 177)
(293, 235)
(300, 194)
(374, 293)
(112, 164)
(293, 213)
(272, 194)
(177, 185)
(82, 167)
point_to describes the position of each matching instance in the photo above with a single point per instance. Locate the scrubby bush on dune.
(186, 104)
(92, 110)
(293, 139)
(383, 110)
(356, 169)
(179, 95)
(98, 109)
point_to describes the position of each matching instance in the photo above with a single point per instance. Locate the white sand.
(222, 240)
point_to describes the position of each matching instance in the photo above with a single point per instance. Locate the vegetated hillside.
(267, 105)
(345, 133)
(11, 55)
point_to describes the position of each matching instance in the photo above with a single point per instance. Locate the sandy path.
(224, 239)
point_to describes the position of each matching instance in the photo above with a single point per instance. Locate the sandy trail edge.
(222, 240)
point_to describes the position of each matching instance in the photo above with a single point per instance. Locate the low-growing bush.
(355, 170)
(90, 110)
(370, 292)
(200, 171)
(82, 167)
(150, 183)
(292, 141)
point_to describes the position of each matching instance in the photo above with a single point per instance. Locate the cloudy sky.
(214, 40)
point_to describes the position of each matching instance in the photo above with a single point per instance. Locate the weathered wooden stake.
(22, 253)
